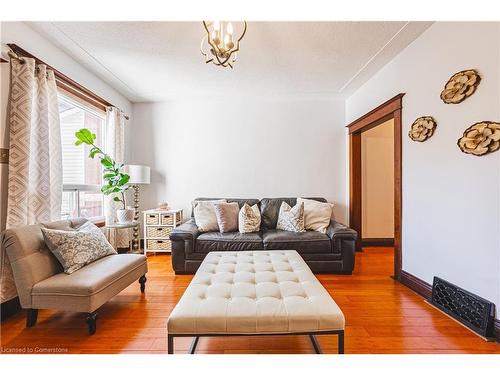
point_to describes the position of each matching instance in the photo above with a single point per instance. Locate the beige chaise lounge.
(255, 293)
(41, 284)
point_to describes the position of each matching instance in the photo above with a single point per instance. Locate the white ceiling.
(157, 61)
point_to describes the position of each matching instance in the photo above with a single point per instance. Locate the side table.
(118, 226)
(158, 225)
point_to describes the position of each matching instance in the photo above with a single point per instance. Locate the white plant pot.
(125, 215)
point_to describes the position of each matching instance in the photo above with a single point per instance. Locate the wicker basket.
(158, 232)
(167, 219)
(152, 219)
(159, 245)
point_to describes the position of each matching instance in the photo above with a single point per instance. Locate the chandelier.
(220, 43)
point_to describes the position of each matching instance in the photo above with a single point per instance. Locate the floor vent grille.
(471, 310)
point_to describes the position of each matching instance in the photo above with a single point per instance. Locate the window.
(81, 175)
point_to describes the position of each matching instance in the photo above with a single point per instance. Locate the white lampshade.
(139, 174)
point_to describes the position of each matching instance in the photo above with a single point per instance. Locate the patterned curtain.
(115, 147)
(35, 161)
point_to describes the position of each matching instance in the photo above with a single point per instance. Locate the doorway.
(388, 112)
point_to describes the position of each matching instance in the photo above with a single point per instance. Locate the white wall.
(451, 223)
(241, 147)
(377, 170)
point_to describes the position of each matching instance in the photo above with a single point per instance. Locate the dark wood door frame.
(391, 109)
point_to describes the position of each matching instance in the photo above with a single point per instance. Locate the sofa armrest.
(183, 240)
(343, 241)
(338, 230)
(185, 231)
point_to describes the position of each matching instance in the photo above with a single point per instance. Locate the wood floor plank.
(382, 316)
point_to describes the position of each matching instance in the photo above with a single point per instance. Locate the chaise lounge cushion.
(90, 287)
(216, 241)
(309, 242)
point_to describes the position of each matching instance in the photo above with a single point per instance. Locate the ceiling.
(159, 61)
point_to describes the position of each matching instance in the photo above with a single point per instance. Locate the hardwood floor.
(382, 317)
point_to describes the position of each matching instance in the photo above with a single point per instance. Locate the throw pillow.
(249, 219)
(227, 216)
(291, 219)
(317, 215)
(204, 215)
(75, 249)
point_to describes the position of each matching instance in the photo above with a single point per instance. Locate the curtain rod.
(63, 81)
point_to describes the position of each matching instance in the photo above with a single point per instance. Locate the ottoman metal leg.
(192, 348)
(314, 341)
(170, 344)
(341, 342)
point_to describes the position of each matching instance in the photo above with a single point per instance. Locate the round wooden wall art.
(422, 128)
(480, 138)
(460, 86)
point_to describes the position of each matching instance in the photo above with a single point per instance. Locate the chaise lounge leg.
(91, 322)
(170, 344)
(31, 316)
(142, 281)
(341, 342)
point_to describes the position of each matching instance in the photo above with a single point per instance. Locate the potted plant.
(115, 181)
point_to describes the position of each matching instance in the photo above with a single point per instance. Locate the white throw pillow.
(317, 215)
(204, 215)
(249, 219)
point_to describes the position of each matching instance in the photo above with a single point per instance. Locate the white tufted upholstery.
(252, 292)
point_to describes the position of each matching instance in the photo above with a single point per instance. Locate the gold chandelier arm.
(244, 31)
(201, 46)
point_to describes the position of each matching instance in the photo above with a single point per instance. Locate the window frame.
(78, 188)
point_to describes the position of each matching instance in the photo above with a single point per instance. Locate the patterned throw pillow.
(227, 216)
(204, 215)
(291, 219)
(75, 249)
(249, 219)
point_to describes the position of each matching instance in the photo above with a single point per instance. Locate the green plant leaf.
(116, 199)
(85, 136)
(107, 162)
(78, 143)
(123, 179)
(93, 152)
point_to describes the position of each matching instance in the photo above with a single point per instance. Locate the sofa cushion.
(270, 207)
(91, 286)
(309, 242)
(216, 241)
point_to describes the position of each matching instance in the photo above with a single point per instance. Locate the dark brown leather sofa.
(332, 252)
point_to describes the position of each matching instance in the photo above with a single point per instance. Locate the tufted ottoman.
(255, 293)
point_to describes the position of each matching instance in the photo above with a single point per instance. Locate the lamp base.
(135, 235)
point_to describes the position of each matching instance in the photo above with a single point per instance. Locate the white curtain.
(115, 147)
(35, 161)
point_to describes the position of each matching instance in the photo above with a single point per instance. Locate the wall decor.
(460, 86)
(422, 128)
(480, 138)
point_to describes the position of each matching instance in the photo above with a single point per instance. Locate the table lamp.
(139, 175)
